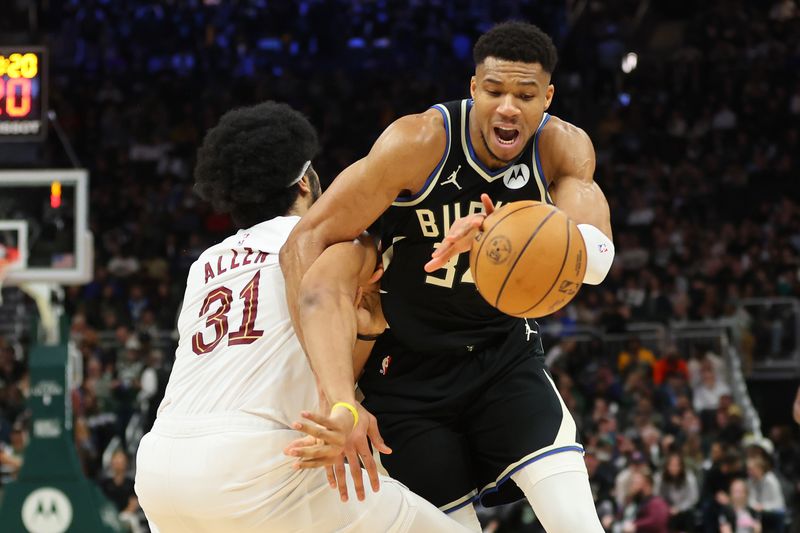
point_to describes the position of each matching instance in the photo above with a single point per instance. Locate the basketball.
(529, 260)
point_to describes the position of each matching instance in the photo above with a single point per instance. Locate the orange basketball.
(529, 260)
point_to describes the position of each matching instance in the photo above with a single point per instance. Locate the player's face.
(510, 98)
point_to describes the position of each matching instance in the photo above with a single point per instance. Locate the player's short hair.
(249, 159)
(517, 41)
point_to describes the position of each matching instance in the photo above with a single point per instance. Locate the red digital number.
(246, 334)
(18, 103)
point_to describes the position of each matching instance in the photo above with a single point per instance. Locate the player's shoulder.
(565, 149)
(418, 132)
(410, 148)
(559, 131)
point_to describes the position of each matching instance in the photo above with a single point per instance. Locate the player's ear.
(548, 96)
(305, 184)
(473, 86)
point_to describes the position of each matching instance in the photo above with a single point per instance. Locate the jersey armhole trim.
(404, 201)
(538, 164)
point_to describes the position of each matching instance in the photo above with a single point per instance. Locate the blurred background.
(681, 368)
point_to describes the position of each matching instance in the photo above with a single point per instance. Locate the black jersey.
(443, 310)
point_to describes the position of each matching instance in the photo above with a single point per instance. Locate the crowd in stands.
(697, 152)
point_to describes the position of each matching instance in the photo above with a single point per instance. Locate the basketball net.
(41, 294)
(8, 256)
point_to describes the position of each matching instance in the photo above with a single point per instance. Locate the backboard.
(45, 214)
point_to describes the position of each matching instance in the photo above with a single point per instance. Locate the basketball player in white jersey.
(217, 458)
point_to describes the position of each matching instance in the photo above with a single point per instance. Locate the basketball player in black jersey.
(459, 389)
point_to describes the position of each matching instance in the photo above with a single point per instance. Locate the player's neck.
(299, 208)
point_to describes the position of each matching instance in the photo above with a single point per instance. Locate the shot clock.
(23, 93)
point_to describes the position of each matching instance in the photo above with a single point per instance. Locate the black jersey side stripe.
(536, 150)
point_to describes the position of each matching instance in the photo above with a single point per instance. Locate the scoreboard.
(23, 93)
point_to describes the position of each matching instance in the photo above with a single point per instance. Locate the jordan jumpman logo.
(452, 179)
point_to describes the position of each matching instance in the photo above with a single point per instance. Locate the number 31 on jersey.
(222, 297)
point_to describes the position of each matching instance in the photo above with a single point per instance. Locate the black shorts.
(459, 424)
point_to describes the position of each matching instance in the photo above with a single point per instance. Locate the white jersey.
(238, 351)
(214, 459)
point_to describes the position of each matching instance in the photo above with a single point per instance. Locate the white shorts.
(227, 473)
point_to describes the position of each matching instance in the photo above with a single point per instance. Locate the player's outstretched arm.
(327, 310)
(400, 160)
(569, 160)
(330, 308)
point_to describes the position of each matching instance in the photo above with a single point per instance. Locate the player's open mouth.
(506, 136)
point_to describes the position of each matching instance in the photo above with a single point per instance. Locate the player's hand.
(459, 237)
(358, 452)
(332, 438)
(325, 440)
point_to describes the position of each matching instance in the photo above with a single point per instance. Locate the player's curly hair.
(247, 161)
(517, 41)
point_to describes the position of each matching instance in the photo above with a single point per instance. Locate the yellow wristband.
(350, 408)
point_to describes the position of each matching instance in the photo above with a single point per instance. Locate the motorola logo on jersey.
(517, 176)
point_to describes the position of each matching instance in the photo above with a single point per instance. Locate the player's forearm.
(329, 324)
(296, 257)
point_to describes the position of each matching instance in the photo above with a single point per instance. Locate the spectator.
(725, 467)
(635, 354)
(701, 358)
(738, 516)
(123, 264)
(711, 388)
(117, 485)
(678, 486)
(651, 511)
(137, 303)
(557, 355)
(729, 424)
(671, 363)
(11, 455)
(765, 495)
(623, 487)
(601, 476)
(85, 446)
(154, 383)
